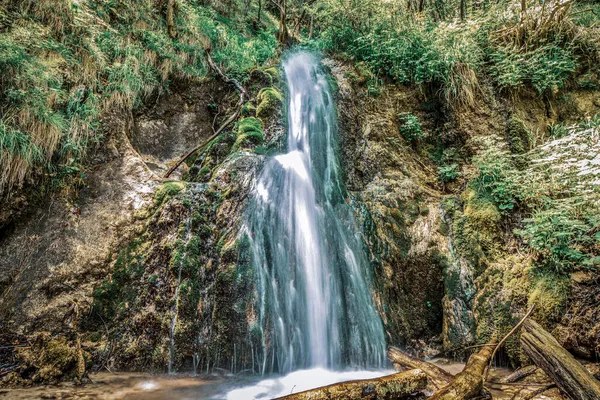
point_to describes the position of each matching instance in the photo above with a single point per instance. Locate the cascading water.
(315, 305)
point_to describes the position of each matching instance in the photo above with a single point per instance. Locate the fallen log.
(469, 383)
(530, 395)
(396, 386)
(568, 374)
(438, 377)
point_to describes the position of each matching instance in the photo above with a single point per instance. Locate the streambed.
(133, 386)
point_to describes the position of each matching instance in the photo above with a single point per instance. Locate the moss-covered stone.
(270, 100)
(250, 133)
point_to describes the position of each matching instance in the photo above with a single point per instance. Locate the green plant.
(65, 63)
(561, 237)
(546, 68)
(410, 127)
(448, 173)
(558, 131)
(496, 178)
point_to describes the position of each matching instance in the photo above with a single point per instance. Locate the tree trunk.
(171, 19)
(396, 386)
(283, 32)
(436, 375)
(469, 382)
(568, 374)
(259, 11)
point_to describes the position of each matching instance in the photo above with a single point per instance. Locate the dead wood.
(519, 374)
(531, 395)
(396, 386)
(469, 382)
(568, 374)
(436, 375)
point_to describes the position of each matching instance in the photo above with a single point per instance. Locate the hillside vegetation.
(469, 139)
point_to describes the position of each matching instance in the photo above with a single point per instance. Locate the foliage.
(545, 68)
(448, 173)
(65, 63)
(410, 127)
(562, 235)
(496, 176)
(517, 52)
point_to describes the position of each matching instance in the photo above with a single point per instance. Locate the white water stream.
(317, 317)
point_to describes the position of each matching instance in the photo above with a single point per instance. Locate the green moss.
(250, 133)
(519, 138)
(477, 229)
(167, 190)
(248, 110)
(550, 294)
(273, 72)
(270, 100)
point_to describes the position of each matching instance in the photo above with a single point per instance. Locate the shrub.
(63, 64)
(561, 236)
(410, 127)
(546, 68)
(448, 173)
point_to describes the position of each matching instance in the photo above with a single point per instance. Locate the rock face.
(162, 278)
(398, 205)
(58, 253)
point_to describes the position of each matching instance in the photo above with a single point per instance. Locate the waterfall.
(315, 306)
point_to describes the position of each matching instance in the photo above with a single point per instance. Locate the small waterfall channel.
(315, 305)
(175, 306)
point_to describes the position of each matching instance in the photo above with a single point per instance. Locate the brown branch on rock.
(568, 374)
(438, 377)
(243, 98)
(469, 383)
(519, 374)
(513, 330)
(396, 386)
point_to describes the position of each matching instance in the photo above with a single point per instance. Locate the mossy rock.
(248, 110)
(519, 138)
(250, 133)
(550, 294)
(273, 72)
(270, 100)
(167, 190)
(476, 229)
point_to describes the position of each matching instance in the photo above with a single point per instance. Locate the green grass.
(64, 64)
